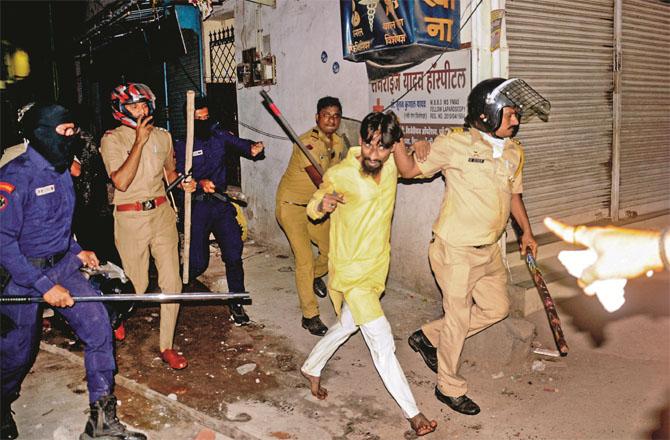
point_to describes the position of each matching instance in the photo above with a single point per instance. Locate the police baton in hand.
(548, 303)
(190, 110)
(283, 123)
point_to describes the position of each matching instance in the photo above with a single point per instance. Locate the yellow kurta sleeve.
(327, 186)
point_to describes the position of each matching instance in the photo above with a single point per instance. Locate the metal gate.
(222, 92)
(222, 55)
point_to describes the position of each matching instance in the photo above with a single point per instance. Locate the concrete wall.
(299, 31)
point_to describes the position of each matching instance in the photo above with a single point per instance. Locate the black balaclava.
(39, 127)
(202, 129)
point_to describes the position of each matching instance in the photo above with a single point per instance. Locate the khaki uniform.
(139, 233)
(295, 190)
(464, 255)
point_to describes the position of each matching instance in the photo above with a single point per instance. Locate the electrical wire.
(434, 64)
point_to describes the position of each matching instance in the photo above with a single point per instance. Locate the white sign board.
(437, 97)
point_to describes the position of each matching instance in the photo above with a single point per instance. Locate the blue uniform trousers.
(210, 215)
(88, 320)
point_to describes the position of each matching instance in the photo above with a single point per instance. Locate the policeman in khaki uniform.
(482, 166)
(137, 157)
(296, 187)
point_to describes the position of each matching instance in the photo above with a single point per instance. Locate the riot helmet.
(490, 96)
(131, 93)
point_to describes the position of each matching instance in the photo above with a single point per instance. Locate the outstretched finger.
(570, 234)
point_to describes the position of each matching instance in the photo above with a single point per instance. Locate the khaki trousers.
(301, 233)
(140, 233)
(474, 296)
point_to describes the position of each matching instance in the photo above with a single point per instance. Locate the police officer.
(296, 187)
(137, 156)
(482, 166)
(38, 251)
(212, 211)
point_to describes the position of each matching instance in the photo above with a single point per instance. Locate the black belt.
(482, 246)
(51, 261)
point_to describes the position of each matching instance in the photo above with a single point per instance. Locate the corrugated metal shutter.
(564, 50)
(645, 108)
(183, 74)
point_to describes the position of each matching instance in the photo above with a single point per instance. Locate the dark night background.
(47, 31)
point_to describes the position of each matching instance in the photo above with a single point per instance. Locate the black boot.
(103, 424)
(8, 429)
(420, 343)
(238, 315)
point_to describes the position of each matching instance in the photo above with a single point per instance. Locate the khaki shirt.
(295, 185)
(157, 154)
(479, 188)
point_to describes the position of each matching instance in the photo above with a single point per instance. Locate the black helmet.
(490, 96)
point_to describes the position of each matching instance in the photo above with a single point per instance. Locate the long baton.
(548, 303)
(190, 110)
(289, 131)
(147, 297)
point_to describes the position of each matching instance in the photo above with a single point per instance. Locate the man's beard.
(370, 171)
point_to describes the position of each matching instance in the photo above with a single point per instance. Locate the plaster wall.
(299, 31)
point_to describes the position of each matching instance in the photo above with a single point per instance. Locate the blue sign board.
(394, 31)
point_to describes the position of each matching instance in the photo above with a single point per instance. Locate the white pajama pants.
(379, 338)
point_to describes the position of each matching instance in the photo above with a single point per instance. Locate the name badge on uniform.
(197, 153)
(45, 190)
(475, 160)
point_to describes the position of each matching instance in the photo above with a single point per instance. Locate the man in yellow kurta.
(360, 194)
(296, 187)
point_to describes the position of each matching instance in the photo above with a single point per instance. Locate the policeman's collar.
(37, 159)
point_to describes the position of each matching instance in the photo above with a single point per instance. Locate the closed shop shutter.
(564, 50)
(645, 108)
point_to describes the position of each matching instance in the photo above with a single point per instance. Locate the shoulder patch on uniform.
(7, 187)
(3, 202)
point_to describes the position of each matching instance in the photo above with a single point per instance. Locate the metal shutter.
(564, 50)
(645, 108)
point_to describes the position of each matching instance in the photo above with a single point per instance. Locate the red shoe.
(174, 359)
(120, 333)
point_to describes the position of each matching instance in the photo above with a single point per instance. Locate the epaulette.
(315, 133)
(516, 141)
(108, 132)
(162, 129)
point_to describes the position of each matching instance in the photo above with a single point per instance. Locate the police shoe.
(314, 326)
(103, 424)
(462, 404)
(238, 315)
(320, 288)
(420, 343)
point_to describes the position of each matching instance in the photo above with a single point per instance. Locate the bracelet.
(661, 244)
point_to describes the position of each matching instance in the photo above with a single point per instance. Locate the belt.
(146, 205)
(50, 261)
(482, 246)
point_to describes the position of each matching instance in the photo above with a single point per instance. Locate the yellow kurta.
(360, 234)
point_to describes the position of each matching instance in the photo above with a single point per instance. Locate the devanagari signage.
(397, 30)
(437, 97)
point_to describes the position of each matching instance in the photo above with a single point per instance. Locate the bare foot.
(315, 386)
(421, 425)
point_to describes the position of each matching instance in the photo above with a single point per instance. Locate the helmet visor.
(516, 93)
